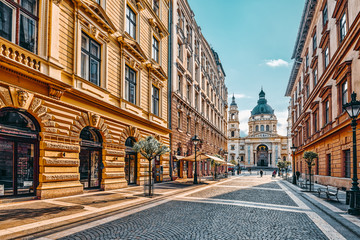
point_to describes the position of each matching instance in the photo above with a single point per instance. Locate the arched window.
(232, 116)
(284, 158)
(257, 128)
(267, 128)
(262, 128)
(130, 142)
(232, 134)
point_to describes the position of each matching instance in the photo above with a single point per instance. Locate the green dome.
(262, 107)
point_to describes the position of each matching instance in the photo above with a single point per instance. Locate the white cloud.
(277, 63)
(239, 96)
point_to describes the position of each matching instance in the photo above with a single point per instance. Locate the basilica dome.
(262, 107)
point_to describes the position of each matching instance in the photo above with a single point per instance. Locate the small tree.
(309, 159)
(150, 148)
(215, 165)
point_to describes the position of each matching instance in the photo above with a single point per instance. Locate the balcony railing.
(17, 54)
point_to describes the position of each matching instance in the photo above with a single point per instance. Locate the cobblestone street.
(242, 207)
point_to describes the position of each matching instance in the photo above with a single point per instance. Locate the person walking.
(261, 173)
(274, 174)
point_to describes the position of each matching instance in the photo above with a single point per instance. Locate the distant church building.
(263, 147)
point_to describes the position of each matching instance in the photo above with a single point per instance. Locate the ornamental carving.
(55, 93)
(22, 97)
(5, 96)
(95, 119)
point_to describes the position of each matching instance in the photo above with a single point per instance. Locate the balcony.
(19, 55)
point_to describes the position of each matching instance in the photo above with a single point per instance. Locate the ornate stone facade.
(53, 89)
(198, 93)
(263, 147)
(325, 73)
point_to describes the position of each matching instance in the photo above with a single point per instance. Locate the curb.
(353, 228)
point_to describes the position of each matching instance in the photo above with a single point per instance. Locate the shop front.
(90, 158)
(18, 153)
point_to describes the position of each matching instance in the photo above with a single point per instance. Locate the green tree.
(283, 165)
(309, 157)
(150, 148)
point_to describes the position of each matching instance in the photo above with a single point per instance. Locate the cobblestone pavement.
(246, 207)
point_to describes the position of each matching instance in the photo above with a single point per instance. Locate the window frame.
(90, 57)
(325, 14)
(155, 49)
(155, 100)
(129, 82)
(130, 22)
(156, 7)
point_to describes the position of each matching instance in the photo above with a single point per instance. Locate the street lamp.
(293, 149)
(353, 109)
(195, 140)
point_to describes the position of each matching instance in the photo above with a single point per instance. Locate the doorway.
(90, 157)
(131, 168)
(18, 153)
(262, 155)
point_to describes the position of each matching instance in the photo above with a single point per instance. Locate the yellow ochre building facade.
(80, 82)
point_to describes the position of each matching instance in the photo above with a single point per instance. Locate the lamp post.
(293, 149)
(195, 140)
(353, 109)
(227, 167)
(279, 159)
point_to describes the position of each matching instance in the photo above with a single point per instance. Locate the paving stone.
(190, 220)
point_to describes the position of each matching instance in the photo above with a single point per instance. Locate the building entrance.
(130, 161)
(262, 155)
(18, 153)
(90, 158)
(131, 168)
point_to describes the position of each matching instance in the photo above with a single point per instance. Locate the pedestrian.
(274, 174)
(261, 173)
(297, 175)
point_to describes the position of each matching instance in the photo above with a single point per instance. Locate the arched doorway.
(90, 158)
(262, 155)
(19, 156)
(130, 161)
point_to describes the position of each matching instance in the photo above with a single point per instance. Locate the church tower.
(233, 131)
(233, 122)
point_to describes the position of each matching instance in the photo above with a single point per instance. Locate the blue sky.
(255, 41)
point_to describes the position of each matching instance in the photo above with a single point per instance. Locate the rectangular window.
(18, 23)
(179, 84)
(307, 61)
(188, 92)
(314, 42)
(344, 93)
(315, 122)
(90, 59)
(343, 29)
(130, 85)
(130, 22)
(325, 15)
(307, 91)
(155, 101)
(328, 156)
(326, 57)
(188, 125)
(327, 112)
(232, 147)
(156, 6)
(347, 167)
(315, 77)
(179, 51)
(155, 48)
(179, 120)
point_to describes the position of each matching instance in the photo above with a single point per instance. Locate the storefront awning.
(216, 159)
(230, 164)
(199, 157)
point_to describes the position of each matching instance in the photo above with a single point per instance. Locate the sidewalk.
(330, 208)
(25, 218)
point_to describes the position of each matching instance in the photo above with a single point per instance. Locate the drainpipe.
(170, 83)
